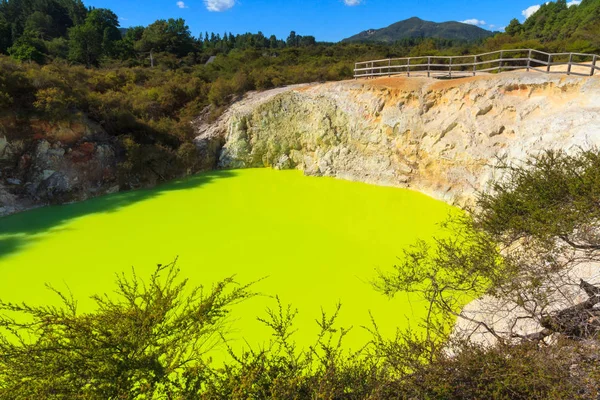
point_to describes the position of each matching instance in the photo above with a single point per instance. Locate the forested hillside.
(560, 27)
(417, 28)
(43, 30)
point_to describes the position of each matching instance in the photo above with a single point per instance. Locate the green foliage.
(514, 27)
(58, 48)
(523, 371)
(145, 342)
(172, 36)
(95, 38)
(53, 101)
(45, 19)
(281, 371)
(537, 222)
(150, 342)
(27, 48)
(219, 92)
(560, 27)
(552, 196)
(5, 34)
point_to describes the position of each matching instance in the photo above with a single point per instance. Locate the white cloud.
(352, 2)
(181, 4)
(529, 11)
(574, 3)
(218, 5)
(473, 21)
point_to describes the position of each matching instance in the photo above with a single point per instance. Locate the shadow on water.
(16, 231)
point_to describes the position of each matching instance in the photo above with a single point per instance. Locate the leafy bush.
(53, 102)
(145, 343)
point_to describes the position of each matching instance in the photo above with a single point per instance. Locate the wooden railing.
(497, 61)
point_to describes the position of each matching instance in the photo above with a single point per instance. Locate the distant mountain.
(417, 28)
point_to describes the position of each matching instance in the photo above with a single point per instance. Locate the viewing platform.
(448, 67)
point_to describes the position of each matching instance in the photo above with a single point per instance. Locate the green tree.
(5, 34)
(85, 44)
(514, 27)
(28, 48)
(273, 42)
(126, 46)
(172, 36)
(76, 10)
(58, 48)
(292, 40)
(307, 41)
(95, 38)
(39, 24)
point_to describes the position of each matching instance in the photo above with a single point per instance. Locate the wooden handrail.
(527, 59)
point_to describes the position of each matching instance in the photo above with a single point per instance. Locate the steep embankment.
(442, 138)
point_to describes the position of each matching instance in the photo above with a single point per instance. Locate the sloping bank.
(441, 138)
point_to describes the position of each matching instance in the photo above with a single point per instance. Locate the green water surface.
(318, 241)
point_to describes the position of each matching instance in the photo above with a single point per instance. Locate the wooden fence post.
(408, 67)
(569, 66)
(389, 67)
(549, 63)
(529, 60)
(450, 68)
(474, 65)
(429, 67)
(501, 62)
(593, 66)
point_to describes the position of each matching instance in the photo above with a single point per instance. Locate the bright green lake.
(319, 241)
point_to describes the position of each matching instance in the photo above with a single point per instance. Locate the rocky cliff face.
(442, 138)
(54, 163)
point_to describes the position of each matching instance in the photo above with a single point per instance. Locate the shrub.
(220, 91)
(143, 343)
(54, 102)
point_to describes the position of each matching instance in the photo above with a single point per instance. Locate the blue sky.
(327, 20)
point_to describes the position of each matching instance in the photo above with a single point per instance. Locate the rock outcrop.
(442, 138)
(55, 163)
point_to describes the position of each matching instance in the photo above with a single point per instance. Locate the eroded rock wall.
(442, 138)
